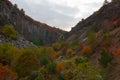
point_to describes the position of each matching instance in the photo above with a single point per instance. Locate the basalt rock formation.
(26, 26)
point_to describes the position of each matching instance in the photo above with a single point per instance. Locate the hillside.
(106, 17)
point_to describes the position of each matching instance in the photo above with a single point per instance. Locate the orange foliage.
(117, 52)
(6, 73)
(60, 67)
(87, 50)
(56, 55)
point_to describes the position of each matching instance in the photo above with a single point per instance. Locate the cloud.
(63, 14)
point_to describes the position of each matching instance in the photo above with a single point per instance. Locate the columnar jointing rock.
(26, 26)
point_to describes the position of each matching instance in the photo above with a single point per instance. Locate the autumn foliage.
(86, 50)
(117, 52)
(9, 31)
(6, 73)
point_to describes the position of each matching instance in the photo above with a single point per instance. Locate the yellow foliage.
(69, 53)
(9, 31)
(56, 54)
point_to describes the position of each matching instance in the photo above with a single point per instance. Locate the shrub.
(59, 67)
(27, 63)
(6, 73)
(56, 54)
(86, 50)
(69, 53)
(116, 53)
(6, 56)
(86, 71)
(9, 31)
(106, 38)
(51, 68)
(45, 55)
(92, 39)
(56, 46)
(74, 43)
(80, 59)
(37, 41)
(106, 58)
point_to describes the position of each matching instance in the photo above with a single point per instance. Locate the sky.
(63, 14)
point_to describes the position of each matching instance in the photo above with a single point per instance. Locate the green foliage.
(56, 46)
(95, 27)
(106, 58)
(69, 53)
(45, 55)
(27, 63)
(92, 39)
(9, 31)
(37, 41)
(6, 57)
(86, 71)
(80, 59)
(51, 68)
(39, 63)
(74, 43)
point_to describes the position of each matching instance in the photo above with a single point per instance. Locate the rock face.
(19, 43)
(25, 25)
(107, 17)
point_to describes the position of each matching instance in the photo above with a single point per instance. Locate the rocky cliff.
(26, 26)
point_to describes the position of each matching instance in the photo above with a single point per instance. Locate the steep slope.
(26, 26)
(107, 17)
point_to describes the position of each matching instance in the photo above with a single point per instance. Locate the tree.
(106, 58)
(92, 39)
(6, 73)
(9, 31)
(87, 51)
(27, 63)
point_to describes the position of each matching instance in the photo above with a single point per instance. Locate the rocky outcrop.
(19, 43)
(25, 25)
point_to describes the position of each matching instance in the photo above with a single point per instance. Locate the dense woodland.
(59, 61)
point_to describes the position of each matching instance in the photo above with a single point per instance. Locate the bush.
(106, 58)
(6, 56)
(69, 53)
(6, 73)
(117, 52)
(56, 46)
(92, 39)
(80, 59)
(74, 43)
(27, 63)
(87, 51)
(51, 68)
(59, 67)
(37, 41)
(9, 31)
(45, 55)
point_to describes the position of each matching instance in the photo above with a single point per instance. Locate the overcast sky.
(62, 14)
